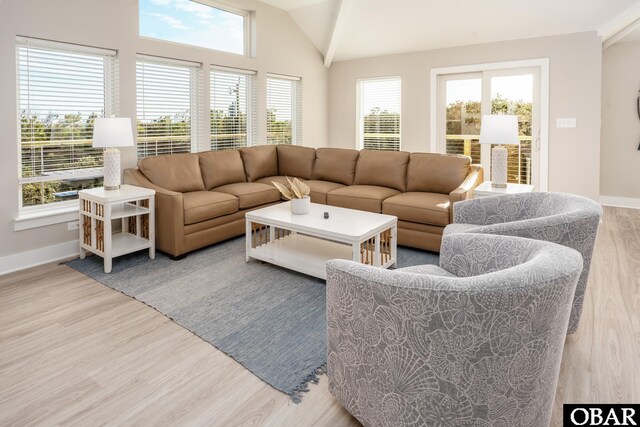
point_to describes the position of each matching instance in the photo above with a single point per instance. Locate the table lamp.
(499, 130)
(110, 133)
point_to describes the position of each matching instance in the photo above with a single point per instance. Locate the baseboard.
(620, 202)
(22, 260)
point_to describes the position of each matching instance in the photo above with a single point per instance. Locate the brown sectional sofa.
(201, 198)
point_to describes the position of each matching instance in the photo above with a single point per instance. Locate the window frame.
(359, 108)
(196, 99)
(296, 109)
(247, 30)
(36, 215)
(251, 103)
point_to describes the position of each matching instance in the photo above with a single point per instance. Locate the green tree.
(381, 130)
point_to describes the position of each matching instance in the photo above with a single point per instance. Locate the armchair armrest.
(496, 209)
(463, 192)
(169, 213)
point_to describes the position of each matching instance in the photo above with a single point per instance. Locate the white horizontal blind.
(233, 107)
(169, 94)
(380, 102)
(284, 110)
(61, 89)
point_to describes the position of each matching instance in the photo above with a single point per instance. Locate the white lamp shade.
(499, 129)
(112, 132)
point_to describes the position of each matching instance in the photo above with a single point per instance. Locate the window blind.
(380, 102)
(284, 110)
(61, 89)
(233, 106)
(168, 106)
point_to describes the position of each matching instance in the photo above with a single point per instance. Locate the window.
(379, 113)
(232, 108)
(195, 23)
(168, 97)
(284, 110)
(61, 89)
(464, 98)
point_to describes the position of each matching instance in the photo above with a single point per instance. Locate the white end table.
(485, 189)
(134, 206)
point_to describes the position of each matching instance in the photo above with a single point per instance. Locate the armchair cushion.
(432, 270)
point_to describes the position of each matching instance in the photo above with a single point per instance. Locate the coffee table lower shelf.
(301, 253)
(304, 254)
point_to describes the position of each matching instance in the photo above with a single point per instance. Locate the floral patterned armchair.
(477, 342)
(565, 219)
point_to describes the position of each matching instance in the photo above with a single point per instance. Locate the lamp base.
(112, 179)
(499, 156)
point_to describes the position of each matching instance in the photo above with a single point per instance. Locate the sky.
(517, 88)
(189, 22)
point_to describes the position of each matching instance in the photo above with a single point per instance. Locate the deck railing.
(518, 162)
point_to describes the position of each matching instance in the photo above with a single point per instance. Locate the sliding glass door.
(464, 98)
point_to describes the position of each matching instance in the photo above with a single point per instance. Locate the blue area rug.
(269, 319)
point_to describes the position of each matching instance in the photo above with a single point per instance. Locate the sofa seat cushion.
(428, 269)
(281, 179)
(424, 208)
(203, 205)
(251, 194)
(362, 197)
(319, 190)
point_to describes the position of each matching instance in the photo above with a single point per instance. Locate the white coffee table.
(305, 243)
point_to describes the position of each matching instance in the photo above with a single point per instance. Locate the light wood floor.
(73, 351)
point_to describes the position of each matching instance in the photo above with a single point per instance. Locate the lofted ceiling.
(366, 28)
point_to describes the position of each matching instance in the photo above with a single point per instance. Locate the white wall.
(575, 78)
(620, 169)
(281, 48)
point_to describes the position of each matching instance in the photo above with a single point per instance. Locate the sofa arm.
(169, 213)
(463, 192)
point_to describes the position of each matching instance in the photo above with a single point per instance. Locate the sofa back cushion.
(221, 168)
(259, 161)
(382, 168)
(436, 173)
(175, 172)
(296, 161)
(335, 165)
